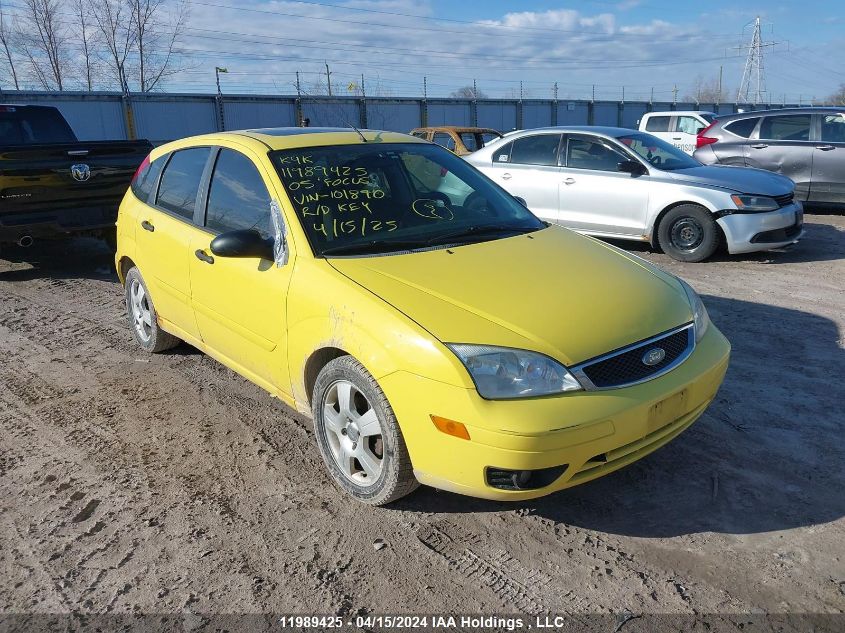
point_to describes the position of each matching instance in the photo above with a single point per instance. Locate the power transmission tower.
(753, 84)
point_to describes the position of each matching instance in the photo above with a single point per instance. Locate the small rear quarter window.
(743, 127)
(145, 180)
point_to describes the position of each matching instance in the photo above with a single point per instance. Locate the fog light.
(504, 479)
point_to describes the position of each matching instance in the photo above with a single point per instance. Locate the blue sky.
(639, 45)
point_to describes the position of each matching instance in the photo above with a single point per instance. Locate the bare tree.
(7, 41)
(838, 97)
(468, 92)
(156, 36)
(706, 91)
(44, 42)
(86, 35)
(117, 31)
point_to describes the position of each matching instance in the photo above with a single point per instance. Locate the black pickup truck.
(52, 184)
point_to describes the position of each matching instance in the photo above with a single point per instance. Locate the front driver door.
(241, 303)
(595, 197)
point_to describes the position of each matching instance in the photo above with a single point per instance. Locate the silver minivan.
(622, 183)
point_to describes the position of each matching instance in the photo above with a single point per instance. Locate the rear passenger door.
(528, 168)
(240, 302)
(828, 183)
(163, 236)
(783, 145)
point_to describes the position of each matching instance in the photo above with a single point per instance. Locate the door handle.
(825, 148)
(506, 176)
(202, 256)
(677, 138)
(569, 181)
(147, 226)
(759, 146)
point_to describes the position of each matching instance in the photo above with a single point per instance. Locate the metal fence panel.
(92, 117)
(536, 114)
(168, 119)
(393, 116)
(334, 113)
(632, 113)
(243, 115)
(605, 113)
(572, 113)
(499, 116)
(449, 113)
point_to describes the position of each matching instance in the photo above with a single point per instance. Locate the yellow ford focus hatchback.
(436, 331)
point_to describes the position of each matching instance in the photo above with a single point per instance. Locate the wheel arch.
(124, 265)
(314, 365)
(655, 226)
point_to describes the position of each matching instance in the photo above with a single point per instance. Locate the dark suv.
(805, 144)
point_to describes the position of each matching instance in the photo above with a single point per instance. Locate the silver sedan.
(620, 183)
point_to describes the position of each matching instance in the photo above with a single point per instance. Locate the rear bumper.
(591, 433)
(749, 232)
(46, 224)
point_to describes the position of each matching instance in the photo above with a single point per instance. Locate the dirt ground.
(168, 484)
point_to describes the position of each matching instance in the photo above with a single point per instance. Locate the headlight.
(501, 372)
(755, 204)
(700, 316)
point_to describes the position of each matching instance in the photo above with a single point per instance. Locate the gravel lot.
(136, 484)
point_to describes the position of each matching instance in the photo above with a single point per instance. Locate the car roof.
(605, 130)
(676, 112)
(454, 128)
(293, 138)
(757, 113)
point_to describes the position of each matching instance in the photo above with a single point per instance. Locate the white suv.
(680, 127)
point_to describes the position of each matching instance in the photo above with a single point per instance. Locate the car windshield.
(658, 152)
(381, 198)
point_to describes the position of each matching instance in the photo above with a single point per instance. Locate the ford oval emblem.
(80, 172)
(654, 356)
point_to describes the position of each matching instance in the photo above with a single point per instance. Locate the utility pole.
(474, 90)
(752, 87)
(651, 98)
(554, 91)
(363, 91)
(675, 94)
(328, 78)
(719, 94)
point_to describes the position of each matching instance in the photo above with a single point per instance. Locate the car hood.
(552, 291)
(736, 179)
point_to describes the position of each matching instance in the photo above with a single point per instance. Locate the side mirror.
(243, 243)
(633, 167)
(521, 201)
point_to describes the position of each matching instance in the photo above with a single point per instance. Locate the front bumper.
(749, 232)
(592, 432)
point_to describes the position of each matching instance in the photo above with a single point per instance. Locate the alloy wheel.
(142, 317)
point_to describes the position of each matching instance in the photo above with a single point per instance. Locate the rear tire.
(688, 233)
(358, 435)
(142, 316)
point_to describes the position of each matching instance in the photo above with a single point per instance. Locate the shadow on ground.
(76, 258)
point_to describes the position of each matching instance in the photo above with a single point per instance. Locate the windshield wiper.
(371, 246)
(485, 229)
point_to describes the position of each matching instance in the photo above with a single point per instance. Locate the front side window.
(445, 140)
(657, 152)
(238, 198)
(538, 149)
(657, 124)
(180, 181)
(794, 127)
(381, 198)
(833, 128)
(743, 127)
(585, 153)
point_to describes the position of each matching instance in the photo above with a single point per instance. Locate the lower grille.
(777, 235)
(628, 365)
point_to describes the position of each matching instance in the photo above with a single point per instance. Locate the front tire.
(358, 435)
(142, 316)
(688, 233)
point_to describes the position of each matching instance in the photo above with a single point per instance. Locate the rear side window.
(145, 180)
(22, 126)
(688, 125)
(539, 149)
(472, 141)
(238, 198)
(181, 181)
(743, 127)
(657, 124)
(786, 128)
(503, 154)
